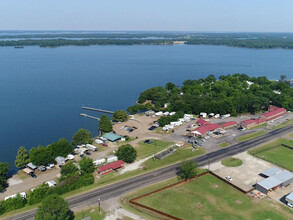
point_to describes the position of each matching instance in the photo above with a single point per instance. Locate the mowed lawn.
(275, 153)
(210, 198)
(145, 150)
(251, 136)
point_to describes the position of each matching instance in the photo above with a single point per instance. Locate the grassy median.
(251, 136)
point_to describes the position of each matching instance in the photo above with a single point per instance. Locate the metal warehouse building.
(276, 178)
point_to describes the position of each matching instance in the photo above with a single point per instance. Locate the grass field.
(291, 135)
(224, 144)
(145, 150)
(211, 198)
(181, 154)
(251, 136)
(275, 153)
(232, 162)
(283, 124)
(91, 212)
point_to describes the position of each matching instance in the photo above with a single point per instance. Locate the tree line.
(234, 94)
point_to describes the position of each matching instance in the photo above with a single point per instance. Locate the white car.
(289, 204)
(229, 178)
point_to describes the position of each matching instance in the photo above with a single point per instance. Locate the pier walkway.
(89, 116)
(97, 110)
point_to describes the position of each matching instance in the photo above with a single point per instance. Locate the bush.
(13, 203)
(39, 194)
(127, 153)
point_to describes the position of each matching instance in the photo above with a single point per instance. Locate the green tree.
(86, 165)
(82, 136)
(188, 170)
(22, 158)
(38, 194)
(41, 156)
(54, 207)
(105, 124)
(127, 153)
(120, 115)
(283, 77)
(61, 148)
(69, 169)
(4, 170)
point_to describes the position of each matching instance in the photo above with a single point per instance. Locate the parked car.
(148, 141)
(88, 153)
(152, 128)
(33, 175)
(289, 204)
(42, 168)
(105, 145)
(228, 178)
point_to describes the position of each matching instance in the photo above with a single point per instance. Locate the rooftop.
(115, 165)
(274, 112)
(229, 123)
(276, 180)
(112, 137)
(271, 171)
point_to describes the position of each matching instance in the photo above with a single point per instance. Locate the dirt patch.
(215, 186)
(198, 205)
(238, 202)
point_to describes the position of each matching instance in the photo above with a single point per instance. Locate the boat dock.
(89, 116)
(97, 110)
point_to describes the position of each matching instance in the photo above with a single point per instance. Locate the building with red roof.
(110, 167)
(228, 124)
(203, 130)
(201, 121)
(274, 112)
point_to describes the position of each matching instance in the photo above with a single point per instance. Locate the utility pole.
(99, 200)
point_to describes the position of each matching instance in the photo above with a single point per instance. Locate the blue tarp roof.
(112, 136)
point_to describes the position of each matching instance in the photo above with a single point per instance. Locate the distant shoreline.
(240, 40)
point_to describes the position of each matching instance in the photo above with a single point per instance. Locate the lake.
(42, 89)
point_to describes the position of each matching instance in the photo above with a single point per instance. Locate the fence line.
(135, 201)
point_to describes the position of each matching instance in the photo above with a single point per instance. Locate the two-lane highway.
(120, 188)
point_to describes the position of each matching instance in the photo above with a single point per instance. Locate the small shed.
(112, 137)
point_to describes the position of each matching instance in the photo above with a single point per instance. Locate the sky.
(148, 15)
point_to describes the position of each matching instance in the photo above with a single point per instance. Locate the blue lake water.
(42, 89)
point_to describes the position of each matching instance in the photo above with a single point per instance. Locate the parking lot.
(246, 175)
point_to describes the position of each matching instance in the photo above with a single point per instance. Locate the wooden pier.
(89, 116)
(97, 110)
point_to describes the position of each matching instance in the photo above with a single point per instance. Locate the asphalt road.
(120, 188)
